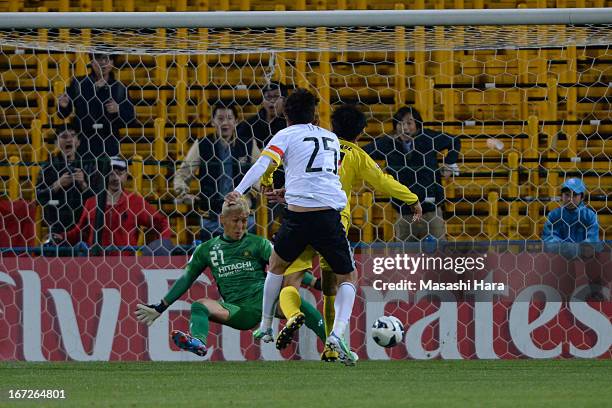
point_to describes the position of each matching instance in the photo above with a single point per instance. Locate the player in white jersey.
(315, 198)
(310, 155)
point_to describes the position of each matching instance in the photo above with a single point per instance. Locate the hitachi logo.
(227, 269)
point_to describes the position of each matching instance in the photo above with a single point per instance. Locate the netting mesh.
(521, 110)
(249, 40)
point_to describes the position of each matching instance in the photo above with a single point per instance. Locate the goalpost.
(525, 91)
(541, 53)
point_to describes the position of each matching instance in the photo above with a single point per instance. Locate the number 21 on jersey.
(216, 257)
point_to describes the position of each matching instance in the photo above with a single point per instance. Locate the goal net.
(118, 145)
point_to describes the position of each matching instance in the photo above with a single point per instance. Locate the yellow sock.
(290, 301)
(329, 313)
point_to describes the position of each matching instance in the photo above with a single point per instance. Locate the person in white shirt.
(315, 198)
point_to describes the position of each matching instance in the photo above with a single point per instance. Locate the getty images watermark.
(475, 272)
(433, 273)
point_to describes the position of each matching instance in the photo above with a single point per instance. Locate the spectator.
(573, 222)
(124, 214)
(412, 157)
(270, 118)
(572, 231)
(101, 107)
(63, 183)
(265, 124)
(220, 161)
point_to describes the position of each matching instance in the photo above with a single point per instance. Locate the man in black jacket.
(270, 118)
(63, 184)
(265, 124)
(412, 158)
(219, 161)
(101, 107)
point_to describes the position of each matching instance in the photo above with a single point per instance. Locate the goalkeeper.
(237, 261)
(355, 168)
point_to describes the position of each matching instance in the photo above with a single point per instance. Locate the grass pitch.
(520, 383)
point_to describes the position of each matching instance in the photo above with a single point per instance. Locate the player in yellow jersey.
(356, 166)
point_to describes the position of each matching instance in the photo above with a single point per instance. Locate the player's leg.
(303, 313)
(313, 320)
(343, 304)
(295, 309)
(329, 286)
(332, 244)
(244, 316)
(331, 289)
(271, 291)
(290, 304)
(202, 311)
(289, 299)
(329, 296)
(290, 243)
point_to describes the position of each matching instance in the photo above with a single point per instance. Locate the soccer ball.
(387, 331)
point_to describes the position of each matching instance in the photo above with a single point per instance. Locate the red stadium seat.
(17, 228)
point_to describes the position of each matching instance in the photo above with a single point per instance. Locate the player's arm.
(269, 160)
(267, 180)
(384, 183)
(198, 262)
(256, 171)
(276, 195)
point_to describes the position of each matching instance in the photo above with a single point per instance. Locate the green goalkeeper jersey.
(237, 266)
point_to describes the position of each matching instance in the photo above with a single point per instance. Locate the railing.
(410, 247)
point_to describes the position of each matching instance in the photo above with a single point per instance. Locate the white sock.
(344, 307)
(272, 287)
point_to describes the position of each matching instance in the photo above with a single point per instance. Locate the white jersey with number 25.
(310, 155)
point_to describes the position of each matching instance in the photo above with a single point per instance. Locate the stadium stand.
(549, 108)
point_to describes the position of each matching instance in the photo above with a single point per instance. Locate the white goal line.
(332, 18)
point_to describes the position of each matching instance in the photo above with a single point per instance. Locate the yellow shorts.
(304, 261)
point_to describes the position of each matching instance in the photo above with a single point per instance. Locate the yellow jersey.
(356, 166)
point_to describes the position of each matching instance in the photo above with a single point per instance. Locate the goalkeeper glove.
(149, 313)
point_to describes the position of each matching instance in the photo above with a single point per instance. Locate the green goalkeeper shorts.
(244, 316)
